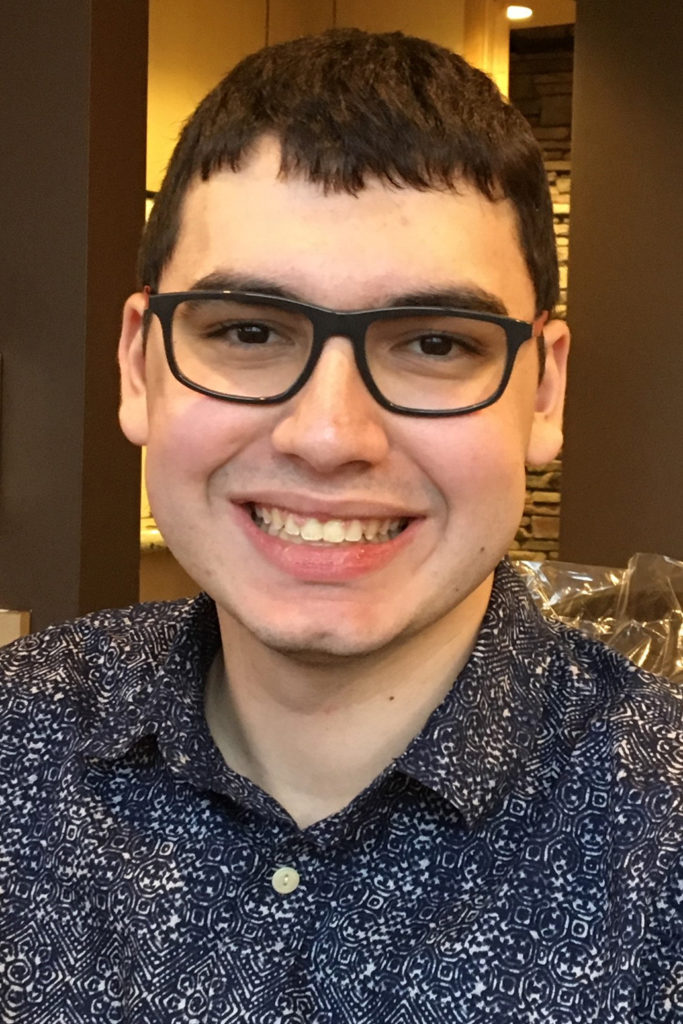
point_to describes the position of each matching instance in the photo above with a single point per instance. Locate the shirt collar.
(476, 742)
(156, 682)
(471, 748)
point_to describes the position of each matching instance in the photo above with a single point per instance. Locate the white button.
(285, 880)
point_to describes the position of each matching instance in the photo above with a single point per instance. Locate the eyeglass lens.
(429, 361)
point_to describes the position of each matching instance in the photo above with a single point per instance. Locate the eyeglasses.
(417, 360)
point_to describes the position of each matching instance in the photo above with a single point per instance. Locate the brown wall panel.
(72, 96)
(623, 473)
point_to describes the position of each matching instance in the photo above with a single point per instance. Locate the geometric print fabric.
(520, 861)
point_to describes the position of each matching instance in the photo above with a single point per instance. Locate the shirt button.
(285, 880)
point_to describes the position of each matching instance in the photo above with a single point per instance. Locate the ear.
(133, 407)
(545, 439)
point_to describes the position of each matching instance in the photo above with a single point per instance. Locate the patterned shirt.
(520, 862)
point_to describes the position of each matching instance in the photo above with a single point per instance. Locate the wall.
(622, 473)
(541, 73)
(72, 107)
(550, 12)
(193, 43)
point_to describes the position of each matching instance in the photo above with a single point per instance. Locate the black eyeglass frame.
(328, 323)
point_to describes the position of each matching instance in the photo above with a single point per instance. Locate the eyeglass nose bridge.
(352, 327)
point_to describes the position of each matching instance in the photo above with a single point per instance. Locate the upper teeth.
(279, 522)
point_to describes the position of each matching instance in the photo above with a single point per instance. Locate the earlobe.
(131, 355)
(545, 439)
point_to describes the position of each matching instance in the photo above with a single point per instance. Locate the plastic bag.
(637, 610)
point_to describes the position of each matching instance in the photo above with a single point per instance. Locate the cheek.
(477, 465)
(191, 437)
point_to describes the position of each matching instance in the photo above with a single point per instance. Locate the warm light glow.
(516, 12)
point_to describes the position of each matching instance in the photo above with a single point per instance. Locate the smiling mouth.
(279, 522)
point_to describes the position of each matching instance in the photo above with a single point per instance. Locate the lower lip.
(325, 563)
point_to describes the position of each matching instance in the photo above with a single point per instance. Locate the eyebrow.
(469, 297)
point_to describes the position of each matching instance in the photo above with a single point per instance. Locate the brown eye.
(436, 345)
(243, 333)
(250, 334)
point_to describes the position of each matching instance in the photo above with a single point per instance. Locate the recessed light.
(518, 12)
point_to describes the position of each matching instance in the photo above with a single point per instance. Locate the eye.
(251, 334)
(243, 333)
(444, 345)
(435, 345)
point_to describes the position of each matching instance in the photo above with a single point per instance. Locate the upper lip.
(327, 508)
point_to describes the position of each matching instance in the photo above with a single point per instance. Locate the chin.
(320, 648)
(334, 634)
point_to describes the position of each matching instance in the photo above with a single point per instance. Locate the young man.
(359, 780)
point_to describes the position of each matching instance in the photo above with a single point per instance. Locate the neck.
(314, 734)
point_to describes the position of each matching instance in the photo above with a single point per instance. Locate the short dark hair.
(347, 105)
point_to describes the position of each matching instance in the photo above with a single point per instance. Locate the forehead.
(343, 250)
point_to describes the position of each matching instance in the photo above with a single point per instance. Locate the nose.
(334, 420)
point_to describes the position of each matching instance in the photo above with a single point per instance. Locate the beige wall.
(13, 625)
(439, 20)
(192, 43)
(486, 40)
(550, 12)
(288, 19)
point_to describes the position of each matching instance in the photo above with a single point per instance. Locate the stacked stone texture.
(541, 88)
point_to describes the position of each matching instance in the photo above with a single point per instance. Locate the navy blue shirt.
(520, 862)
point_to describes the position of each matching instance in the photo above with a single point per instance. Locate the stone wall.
(541, 64)
(538, 535)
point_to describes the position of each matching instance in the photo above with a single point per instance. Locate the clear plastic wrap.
(637, 610)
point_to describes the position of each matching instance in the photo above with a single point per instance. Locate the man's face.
(454, 486)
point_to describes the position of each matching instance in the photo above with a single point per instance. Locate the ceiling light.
(516, 12)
